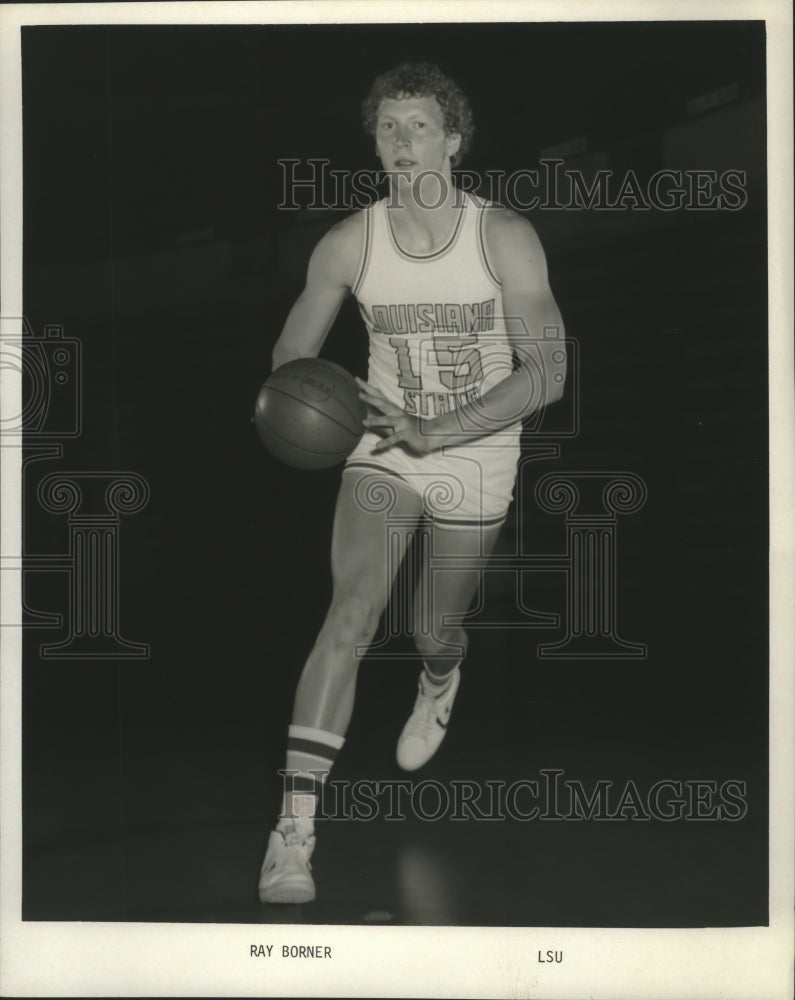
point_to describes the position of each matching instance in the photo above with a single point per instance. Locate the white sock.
(303, 825)
(436, 685)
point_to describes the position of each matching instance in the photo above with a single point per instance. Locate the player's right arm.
(330, 276)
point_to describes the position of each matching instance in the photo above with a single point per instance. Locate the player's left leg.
(443, 597)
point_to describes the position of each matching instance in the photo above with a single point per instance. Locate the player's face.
(410, 135)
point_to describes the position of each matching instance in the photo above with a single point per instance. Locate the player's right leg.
(374, 518)
(368, 545)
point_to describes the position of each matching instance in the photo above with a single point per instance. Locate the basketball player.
(465, 342)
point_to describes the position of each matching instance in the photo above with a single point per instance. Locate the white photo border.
(134, 959)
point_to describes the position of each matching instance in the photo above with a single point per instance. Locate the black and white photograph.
(396, 440)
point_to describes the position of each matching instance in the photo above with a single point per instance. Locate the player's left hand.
(398, 426)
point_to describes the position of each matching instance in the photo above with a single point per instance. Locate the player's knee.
(353, 618)
(444, 642)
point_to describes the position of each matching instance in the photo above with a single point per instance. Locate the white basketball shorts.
(461, 486)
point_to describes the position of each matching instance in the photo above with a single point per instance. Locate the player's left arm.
(535, 330)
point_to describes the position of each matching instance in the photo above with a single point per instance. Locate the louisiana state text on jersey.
(435, 321)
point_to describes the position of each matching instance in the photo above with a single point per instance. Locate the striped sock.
(310, 755)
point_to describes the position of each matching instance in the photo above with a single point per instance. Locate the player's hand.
(397, 426)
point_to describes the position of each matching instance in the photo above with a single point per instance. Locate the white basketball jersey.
(435, 321)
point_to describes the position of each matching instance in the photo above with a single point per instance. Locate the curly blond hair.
(423, 80)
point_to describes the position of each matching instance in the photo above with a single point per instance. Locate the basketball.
(309, 415)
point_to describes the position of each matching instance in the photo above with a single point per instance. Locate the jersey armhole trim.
(364, 257)
(484, 256)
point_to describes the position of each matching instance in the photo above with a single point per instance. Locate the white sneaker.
(427, 724)
(285, 876)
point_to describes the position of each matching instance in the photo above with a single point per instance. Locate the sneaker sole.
(287, 891)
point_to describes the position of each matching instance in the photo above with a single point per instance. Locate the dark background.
(152, 235)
